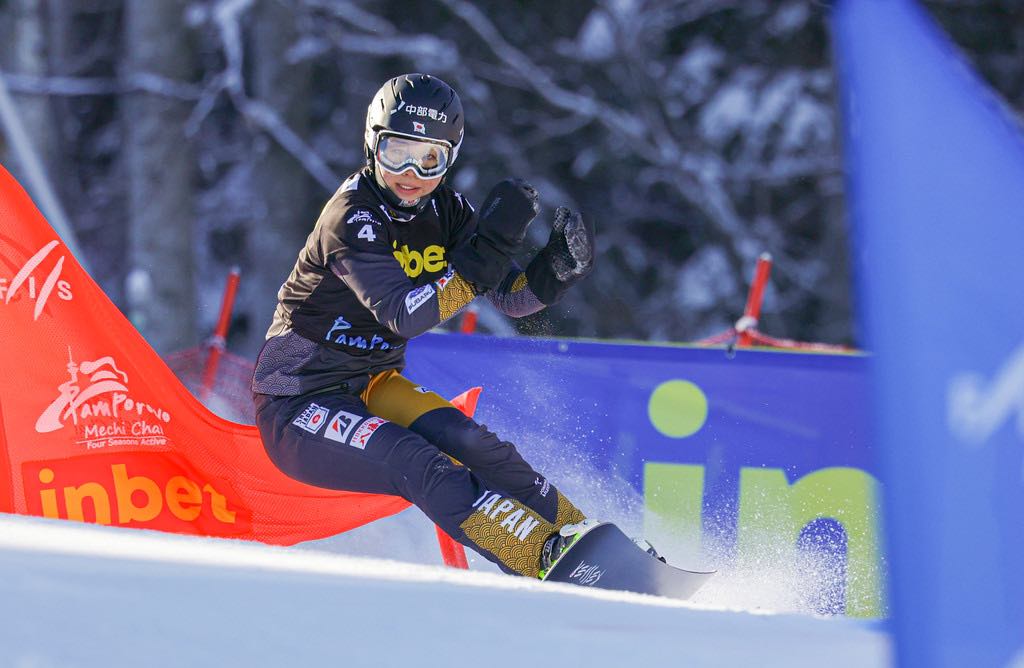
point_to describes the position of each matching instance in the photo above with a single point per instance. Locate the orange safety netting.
(226, 390)
(94, 426)
(731, 337)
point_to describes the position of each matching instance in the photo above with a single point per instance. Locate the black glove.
(568, 257)
(486, 258)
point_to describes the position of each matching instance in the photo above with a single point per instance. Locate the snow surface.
(80, 595)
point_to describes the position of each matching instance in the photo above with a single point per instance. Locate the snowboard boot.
(560, 541)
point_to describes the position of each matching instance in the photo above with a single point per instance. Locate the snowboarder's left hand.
(567, 257)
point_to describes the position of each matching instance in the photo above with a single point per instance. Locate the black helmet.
(417, 106)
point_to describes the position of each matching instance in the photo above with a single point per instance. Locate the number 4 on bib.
(367, 233)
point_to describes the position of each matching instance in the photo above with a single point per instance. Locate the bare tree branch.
(538, 79)
(265, 118)
(84, 86)
(704, 170)
(226, 15)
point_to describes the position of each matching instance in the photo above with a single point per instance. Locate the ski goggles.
(399, 153)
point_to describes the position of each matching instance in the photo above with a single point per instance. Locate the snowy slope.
(82, 595)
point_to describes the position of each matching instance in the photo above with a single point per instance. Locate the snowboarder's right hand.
(506, 214)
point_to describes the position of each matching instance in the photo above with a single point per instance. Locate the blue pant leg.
(332, 441)
(310, 458)
(496, 462)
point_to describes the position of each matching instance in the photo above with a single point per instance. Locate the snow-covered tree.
(697, 133)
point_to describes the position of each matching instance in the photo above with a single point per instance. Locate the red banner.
(95, 427)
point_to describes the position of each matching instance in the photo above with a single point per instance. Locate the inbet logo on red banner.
(142, 490)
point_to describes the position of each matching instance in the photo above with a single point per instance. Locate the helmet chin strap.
(394, 197)
(399, 209)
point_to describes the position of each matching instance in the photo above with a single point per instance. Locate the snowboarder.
(395, 252)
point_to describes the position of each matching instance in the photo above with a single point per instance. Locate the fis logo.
(25, 282)
(518, 522)
(977, 409)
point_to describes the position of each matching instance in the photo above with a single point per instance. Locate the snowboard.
(606, 558)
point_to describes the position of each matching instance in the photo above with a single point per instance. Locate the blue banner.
(728, 448)
(936, 184)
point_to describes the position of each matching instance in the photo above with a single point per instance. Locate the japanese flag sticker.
(312, 418)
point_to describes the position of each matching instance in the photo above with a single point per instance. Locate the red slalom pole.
(454, 555)
(219, 339)
(752, 311)
(468, 323)
(6, 484)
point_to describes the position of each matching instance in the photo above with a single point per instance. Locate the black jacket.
(365, 283)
